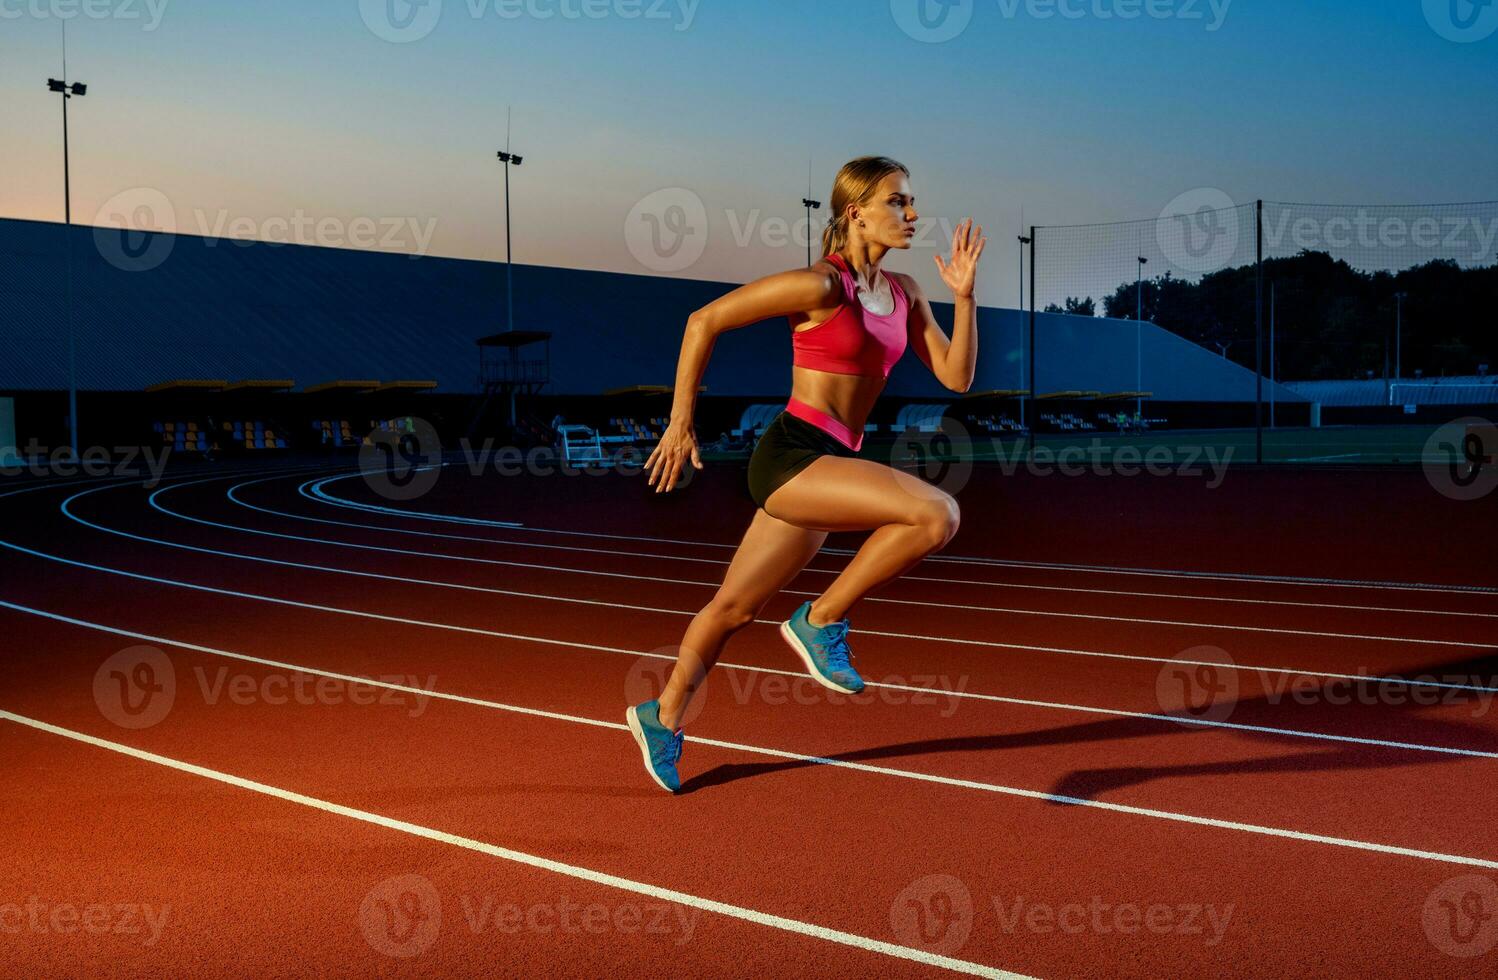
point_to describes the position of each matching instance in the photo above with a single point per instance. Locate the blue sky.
(250, 116)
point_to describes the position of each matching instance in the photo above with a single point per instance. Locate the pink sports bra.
(853, 340)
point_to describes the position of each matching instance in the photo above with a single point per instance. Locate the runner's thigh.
(836, 493)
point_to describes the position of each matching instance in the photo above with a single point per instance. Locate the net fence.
(1215, 313)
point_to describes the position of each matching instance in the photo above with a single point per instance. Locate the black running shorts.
(788, 446)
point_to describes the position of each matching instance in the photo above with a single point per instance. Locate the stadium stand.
(253, 435)
(183, 436)
(334, 433)
(920, 417)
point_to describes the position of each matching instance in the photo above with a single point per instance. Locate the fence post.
(1031, 416)
(1259, 332)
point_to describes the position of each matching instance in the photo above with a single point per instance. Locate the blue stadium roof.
(153, 307)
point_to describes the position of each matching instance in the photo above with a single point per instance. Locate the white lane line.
(232, 495)
(1295, 580)
(1322, 459)
(1360, 678)
(317, 493)
(1167, 815)
(1002, 610)
(739, 912)
(1185, 719)
(49, 484)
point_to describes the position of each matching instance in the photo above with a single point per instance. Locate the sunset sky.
(340, 123)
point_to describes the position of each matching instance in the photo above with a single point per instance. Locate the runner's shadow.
(1358, 709)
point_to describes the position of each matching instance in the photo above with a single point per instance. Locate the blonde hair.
(855, 184)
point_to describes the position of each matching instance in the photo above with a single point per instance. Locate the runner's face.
(889, 216)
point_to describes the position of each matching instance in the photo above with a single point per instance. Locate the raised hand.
(961, 273)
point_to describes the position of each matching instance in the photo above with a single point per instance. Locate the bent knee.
(940, 517)
(729, 613)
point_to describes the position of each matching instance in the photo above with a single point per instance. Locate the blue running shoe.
(824, 650)
(660, 746)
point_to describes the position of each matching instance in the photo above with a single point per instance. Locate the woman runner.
(851, 322)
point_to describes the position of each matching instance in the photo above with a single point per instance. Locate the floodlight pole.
(1034, 418)
(61, 87)
(1139, 337)
(1024, 398)
(1259, 332)
(810, 206)
(507, 158)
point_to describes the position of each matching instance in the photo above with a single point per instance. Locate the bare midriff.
(847, 398)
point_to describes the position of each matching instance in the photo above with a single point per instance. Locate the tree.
(1074, 307)
(1331, 320)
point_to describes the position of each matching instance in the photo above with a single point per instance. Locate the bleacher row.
(581, 443)
(626, 429)
(258, 435)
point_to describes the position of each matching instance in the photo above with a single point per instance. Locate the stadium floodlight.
(507, 158)
(810, 206)
(1139, 335)
(1024, 399)
(61, 87)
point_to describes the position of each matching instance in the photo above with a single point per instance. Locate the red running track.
(1113, 770)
